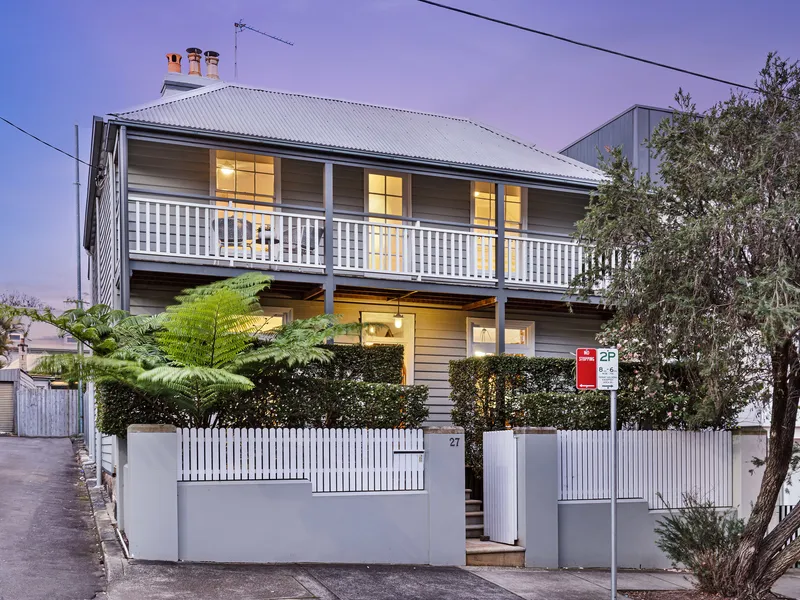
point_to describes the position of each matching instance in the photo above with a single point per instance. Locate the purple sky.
(70, 61)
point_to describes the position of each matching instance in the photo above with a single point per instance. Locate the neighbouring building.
(629, 130)
(445, 229)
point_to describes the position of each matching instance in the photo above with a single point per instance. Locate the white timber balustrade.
(414, 250)
(334, 460)
(280, 236)
(542, 262)
(194, 230)
(657, 466)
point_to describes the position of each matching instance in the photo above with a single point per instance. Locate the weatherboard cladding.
(343, 125)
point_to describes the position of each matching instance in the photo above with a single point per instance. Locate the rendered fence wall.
(651, 463)
(47, 413)
(282, 520)
(333, 460)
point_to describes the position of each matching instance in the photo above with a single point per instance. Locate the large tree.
(706, 271)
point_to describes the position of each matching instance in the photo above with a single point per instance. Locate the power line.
(49, 145)
(590, 46)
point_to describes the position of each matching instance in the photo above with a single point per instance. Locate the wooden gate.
(500, 486)
(47, 413)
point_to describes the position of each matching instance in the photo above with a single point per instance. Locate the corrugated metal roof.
(339, 124)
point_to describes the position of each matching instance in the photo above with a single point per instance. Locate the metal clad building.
(630, 130)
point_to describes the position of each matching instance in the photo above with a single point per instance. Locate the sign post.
(598, 369)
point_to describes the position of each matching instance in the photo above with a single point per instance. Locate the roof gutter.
(91, 190)
(526, 176)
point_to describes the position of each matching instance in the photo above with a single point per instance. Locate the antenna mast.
(239, 28)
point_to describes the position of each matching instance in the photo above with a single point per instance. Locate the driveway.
(48, 546)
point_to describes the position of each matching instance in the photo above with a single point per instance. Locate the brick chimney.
(194, 60)
(22, 348)
(212, 62)
(174, 62)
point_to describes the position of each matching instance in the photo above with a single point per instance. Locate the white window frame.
(409, 324)
(212, 178)
(523, 204)
(528, 349)
(406, 177)
(278, 311)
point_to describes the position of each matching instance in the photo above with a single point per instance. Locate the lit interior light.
(398, 318)
(226, 170)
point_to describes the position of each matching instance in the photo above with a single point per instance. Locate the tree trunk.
(758, 561)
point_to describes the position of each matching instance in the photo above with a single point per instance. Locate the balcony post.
(500, 270)
(327, 199)
(124, 248)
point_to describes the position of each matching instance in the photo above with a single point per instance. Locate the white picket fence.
(334, 460)
(669, 463)
(47, 413)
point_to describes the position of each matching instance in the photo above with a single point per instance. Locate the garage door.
(7, 407)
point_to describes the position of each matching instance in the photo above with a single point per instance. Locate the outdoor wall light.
(398, 318)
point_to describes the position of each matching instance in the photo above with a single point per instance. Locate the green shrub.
(495, 392)
(704, 540)
(120, 405)
(381, 363)
(359, 387)
(308, 402)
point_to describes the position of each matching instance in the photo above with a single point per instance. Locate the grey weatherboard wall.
(630, 130)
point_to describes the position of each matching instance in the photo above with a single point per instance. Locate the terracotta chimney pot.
(212, 62)
(194, 60)
(174, 62)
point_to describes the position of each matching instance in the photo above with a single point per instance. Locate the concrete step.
(468, 494)
(475, 518)
(473, 505)
(475, 531)
(492, 554)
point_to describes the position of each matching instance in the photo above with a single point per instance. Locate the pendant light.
(398, 318)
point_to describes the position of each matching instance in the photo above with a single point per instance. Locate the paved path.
(167, 581)
(48, 546)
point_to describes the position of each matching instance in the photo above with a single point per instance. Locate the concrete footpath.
(157, 581)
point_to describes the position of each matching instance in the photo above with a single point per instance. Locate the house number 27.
(454, 442)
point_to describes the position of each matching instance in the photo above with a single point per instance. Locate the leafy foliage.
(495, 392)
(356, 388)
(120, 405)
(193, 354)
(708, 275)
(703, 539)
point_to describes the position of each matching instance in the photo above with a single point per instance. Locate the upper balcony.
(207, 207)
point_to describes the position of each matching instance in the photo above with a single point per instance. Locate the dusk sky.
(64, 62)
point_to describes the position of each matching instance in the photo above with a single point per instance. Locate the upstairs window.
(484, 215)
(386, 194)
(484, 202)
(246, 178)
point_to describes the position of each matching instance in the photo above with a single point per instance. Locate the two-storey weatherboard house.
(442, 228)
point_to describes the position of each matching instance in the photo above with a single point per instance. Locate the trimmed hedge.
(359, 387)
(307, 402)
(119, 405)
(496, 392)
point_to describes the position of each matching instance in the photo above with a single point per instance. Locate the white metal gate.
(500, 486)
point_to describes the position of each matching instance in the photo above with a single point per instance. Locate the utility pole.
(78, 246)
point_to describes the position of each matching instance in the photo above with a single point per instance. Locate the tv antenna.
(239, 28)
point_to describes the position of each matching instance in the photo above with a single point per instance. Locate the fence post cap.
(535, 430)
(750, 430)
(448, 430)
(152, 429)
